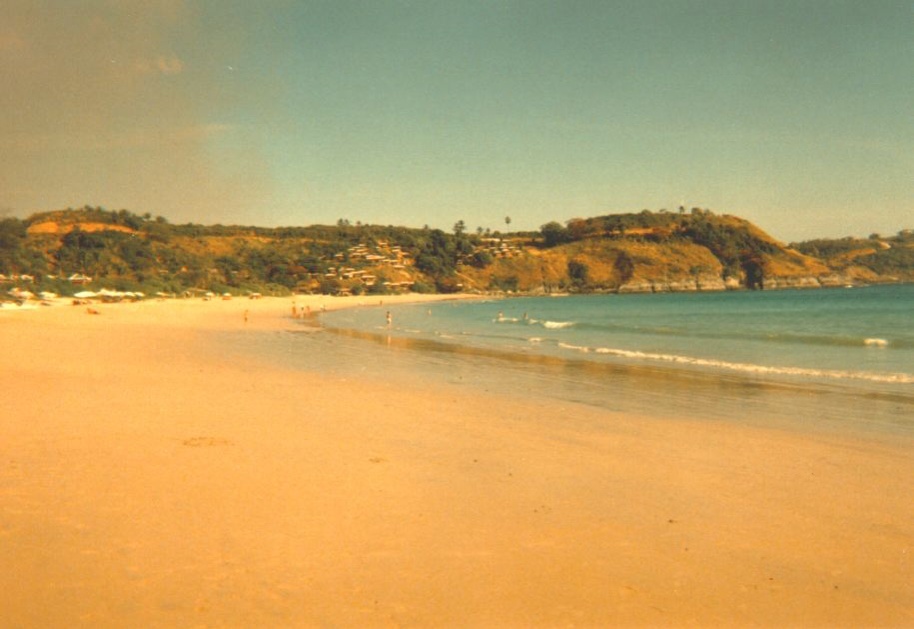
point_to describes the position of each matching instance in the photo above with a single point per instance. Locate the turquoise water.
(835, 358)
(863, 334)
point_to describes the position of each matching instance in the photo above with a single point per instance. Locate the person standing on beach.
(390, 319)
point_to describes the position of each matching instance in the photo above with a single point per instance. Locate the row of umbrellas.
(86, 294)
(25, 295)
(109, 294)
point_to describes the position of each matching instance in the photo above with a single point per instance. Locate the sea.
(837, 359)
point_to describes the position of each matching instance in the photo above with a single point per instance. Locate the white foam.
(898, 378)
(875, 342)
(577, 348)
(557, 325)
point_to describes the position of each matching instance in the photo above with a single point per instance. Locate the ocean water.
(836, 359)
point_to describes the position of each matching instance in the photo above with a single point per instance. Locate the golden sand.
(145, 484)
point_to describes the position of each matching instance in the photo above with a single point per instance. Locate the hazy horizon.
(793, 115)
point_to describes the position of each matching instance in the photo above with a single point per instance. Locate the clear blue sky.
(796, 115)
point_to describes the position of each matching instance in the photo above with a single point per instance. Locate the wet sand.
(145, 483)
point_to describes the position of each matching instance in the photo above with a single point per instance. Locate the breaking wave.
(557, 325)
(549, 325)
(749, 368)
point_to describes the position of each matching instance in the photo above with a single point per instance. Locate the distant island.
(91, 248)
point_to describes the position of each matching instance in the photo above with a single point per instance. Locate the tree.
(81, 251)
(12, 237)
(459, 227)
(579, 229)
(438, 255)
(554, 233)
(754, 268)
(578, 273)
(228, 266)
(136, 254)
(625, 267)
(507, 222)
(481, 259)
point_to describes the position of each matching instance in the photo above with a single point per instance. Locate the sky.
(798, 116)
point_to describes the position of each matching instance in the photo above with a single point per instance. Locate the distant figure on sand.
(390, 319)
(245, 316)
(92, 311)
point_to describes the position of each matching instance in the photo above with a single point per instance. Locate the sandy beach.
(145, 483)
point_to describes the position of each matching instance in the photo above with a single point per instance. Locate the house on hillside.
(79, 279)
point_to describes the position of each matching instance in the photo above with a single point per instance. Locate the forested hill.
(92, 248)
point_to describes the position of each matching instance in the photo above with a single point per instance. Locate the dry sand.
(144, 484)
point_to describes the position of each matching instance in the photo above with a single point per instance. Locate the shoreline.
(651, 287)
(145, 482)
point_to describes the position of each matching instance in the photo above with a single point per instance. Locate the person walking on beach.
(390, 319)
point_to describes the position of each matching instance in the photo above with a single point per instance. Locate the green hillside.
(70, 250)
